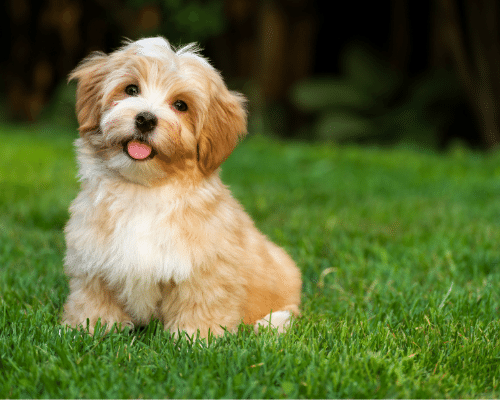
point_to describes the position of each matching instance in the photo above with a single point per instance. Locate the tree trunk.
(474, 51)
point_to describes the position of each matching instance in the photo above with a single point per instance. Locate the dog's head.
(148, 112)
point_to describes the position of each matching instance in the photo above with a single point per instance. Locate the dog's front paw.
(192, 332)
(90, 325)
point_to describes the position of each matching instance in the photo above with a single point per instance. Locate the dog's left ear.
(224, 124)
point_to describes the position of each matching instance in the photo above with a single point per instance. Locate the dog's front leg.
(207, 307)
(92, 299)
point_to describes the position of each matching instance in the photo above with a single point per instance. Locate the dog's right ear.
(90, 74)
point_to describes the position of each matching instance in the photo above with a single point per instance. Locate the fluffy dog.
(154, 233)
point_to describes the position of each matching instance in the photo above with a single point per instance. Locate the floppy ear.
(224, 124)
(90, 74)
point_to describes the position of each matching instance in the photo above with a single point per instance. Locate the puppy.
(154, 233)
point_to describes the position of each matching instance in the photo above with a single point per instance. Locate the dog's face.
(149, 113)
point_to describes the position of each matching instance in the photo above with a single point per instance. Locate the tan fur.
(163, 238)
(90, 74)
(93, 298)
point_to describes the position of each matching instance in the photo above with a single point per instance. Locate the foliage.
(186, 21)
(399, 254)
(371, 101)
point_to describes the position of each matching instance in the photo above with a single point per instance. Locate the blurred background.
(418, 72)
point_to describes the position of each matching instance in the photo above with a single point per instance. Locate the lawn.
(400, 259)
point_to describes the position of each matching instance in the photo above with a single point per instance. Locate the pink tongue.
(138, 150)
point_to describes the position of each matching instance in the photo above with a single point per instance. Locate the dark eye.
(132, 90)
(179, 105)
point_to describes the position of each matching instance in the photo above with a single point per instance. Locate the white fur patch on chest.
(147, 247)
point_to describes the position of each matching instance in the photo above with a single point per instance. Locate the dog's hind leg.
(280, 320)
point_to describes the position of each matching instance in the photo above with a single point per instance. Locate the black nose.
(146, 121)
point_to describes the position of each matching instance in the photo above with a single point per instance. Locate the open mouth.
(138, 151)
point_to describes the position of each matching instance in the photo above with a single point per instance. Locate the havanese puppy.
(154, 233)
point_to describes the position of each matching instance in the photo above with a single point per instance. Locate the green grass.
(400, 257)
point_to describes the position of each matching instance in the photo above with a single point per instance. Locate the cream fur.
(163, 238)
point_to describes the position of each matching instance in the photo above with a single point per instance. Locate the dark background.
(425, 72)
